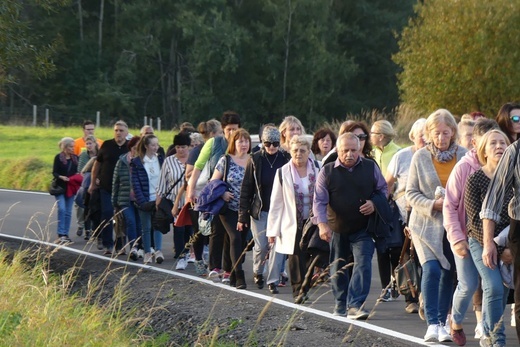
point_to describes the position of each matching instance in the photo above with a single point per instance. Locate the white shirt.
(153, 169)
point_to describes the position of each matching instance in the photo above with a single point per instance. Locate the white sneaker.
(443, 335)
(191, 259)
(181, 264)
(147, 258)
(159, 258)
(140, 253)
(479, 331)
(432, 334)
(152, 250)
(447, 326)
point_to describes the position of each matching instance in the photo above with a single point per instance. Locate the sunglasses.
(362, 137)
(515, 119)
(269, 144)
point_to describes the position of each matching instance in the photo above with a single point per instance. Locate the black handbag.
(311, 241)
(163, 217)
(55, 188)
(408, 274)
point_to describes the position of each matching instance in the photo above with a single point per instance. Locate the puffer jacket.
(121, 183)
(251, 204)
(140, 183)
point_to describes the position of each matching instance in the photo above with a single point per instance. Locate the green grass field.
(27, 153)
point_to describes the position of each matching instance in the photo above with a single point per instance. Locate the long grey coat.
(425, 223)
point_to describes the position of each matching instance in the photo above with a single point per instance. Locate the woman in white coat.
(291, 203)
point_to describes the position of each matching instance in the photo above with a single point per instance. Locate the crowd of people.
(452, 192)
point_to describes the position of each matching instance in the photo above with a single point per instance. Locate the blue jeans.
(64, 214)
(351, 292)
(468, 278)
(107, 216)
(494, 296)
(258, 228)
(437, 289)
(132, 223)
(146, 225)
(181, 237)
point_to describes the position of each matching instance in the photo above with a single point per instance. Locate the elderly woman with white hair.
(427, 178)
(291, 203)
(65, 166)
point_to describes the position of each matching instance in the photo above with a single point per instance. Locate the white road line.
(328, 315)
(23, 191)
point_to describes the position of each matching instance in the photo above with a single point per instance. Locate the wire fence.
(51, 117)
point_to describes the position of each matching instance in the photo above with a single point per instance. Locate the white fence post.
(145, 120)
(158, 123)
(35, 112)
(150, 120)
(98, 118)
(46, 117)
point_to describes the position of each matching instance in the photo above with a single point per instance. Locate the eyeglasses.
(269, 144)
(515, 119)
(362, 137)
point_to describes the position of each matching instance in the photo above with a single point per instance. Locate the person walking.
(64, 168)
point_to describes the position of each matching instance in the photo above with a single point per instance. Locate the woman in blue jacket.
(146, 169)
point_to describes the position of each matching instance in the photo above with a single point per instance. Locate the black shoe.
(240, 279)
(79, 232)
(88, 233)
(259, 281)
(272, 288)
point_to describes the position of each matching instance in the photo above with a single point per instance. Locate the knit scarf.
(442, 156)
(298, 194)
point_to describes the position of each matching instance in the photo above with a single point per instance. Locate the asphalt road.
(32, 215)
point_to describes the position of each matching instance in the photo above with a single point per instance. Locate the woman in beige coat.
(291, 203)
(429, 171)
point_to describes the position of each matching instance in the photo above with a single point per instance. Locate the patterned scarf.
(297, 183)
(63, 158)
(442, 156)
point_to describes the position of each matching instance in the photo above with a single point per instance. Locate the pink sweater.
(453, 209)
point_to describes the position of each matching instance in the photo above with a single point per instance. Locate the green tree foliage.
(461, 55)
(22, 51)
(189, 60)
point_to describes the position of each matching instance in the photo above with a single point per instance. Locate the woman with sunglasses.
(382, 135)
(359, 129)
(255, 197)
(508, 119)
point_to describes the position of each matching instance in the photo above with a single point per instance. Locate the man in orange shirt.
(79, 143)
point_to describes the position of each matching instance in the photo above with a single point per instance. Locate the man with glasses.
(79, 143)
(102, 173)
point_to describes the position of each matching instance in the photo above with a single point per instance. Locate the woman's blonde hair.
(286, 123)
(481, 145)
(64, 142)
(440, 116)
(384, 127)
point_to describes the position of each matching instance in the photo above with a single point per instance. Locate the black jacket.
(250, 200)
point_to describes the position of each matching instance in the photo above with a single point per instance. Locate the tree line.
(187, 60)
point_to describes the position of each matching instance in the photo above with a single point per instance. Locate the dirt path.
(181, 312)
